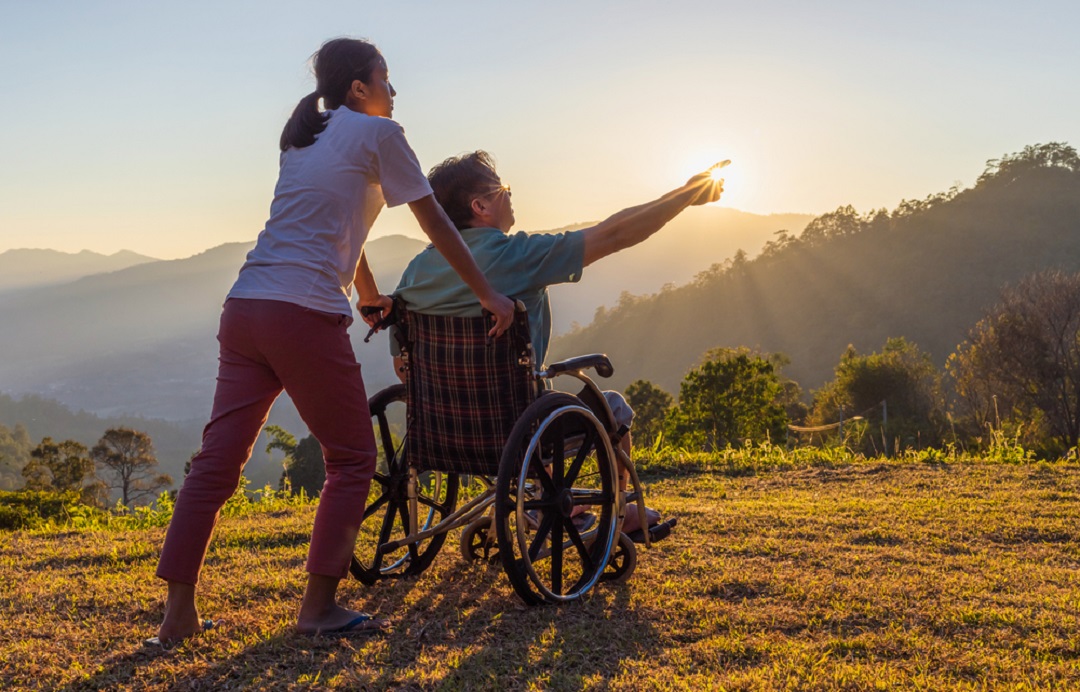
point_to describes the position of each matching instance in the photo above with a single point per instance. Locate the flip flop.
(657, 532)
(166, 644)
(357, 627)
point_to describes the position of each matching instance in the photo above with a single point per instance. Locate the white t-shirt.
(328, 195)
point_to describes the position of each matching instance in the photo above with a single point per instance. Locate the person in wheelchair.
(523, 265)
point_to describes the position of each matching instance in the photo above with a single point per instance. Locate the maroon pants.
(267, 346)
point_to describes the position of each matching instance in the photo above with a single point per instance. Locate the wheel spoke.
(379, 502)
(403, 513)
(387, 440)
(541, 474)
(439, 507)
(583, 550)
(541, 534)
(556, 556)
(557, 454)
(583, 453)
(591, 498)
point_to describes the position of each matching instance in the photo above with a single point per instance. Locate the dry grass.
(961, 576)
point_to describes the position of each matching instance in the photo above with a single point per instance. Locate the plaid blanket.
(465, 392)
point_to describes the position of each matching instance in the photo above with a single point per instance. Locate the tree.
(1026, 354)
(15, 446)
(64, 466)
(128, 456)
(305, 468)
(732, 397)
(280, 439)
(1054, 155)
(904, 378)
(650, 404)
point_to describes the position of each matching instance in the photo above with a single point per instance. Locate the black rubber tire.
(386, 516)
(623, 561)
(541, 565)
(478, 543)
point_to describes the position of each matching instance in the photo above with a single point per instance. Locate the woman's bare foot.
(320, 612)
(339, 620)
(182, 619)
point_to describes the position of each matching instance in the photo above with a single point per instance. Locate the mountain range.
(114, 341)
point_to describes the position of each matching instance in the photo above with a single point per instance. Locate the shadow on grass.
(464, 629)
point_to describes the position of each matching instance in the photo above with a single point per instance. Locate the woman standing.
(284, 325)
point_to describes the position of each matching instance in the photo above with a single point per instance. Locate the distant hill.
(141, 340)
(927, 272)
(22, 269)
(691, 243)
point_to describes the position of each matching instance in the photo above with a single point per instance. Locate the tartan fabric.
(464, 393)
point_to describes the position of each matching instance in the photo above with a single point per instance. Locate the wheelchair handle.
(389, 319)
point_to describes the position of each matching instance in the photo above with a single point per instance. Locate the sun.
(716, 172)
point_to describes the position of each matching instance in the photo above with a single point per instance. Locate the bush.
(24, 509)
(15, 517)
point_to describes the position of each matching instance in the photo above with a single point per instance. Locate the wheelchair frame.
(545, 556)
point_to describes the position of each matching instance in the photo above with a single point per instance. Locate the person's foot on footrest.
(657, 532)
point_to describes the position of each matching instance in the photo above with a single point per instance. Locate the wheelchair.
(537, 471)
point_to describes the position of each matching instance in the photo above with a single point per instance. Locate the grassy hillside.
(927, 272)
(866, 576)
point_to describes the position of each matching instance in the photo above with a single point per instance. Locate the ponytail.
(337, 63)
(304, 124)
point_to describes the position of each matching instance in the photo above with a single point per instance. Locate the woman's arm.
(631, 226)
(367, 292)
(436, 224)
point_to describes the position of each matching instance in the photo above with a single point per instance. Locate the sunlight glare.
(716, 172)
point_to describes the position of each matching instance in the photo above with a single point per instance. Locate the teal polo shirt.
(520, 266)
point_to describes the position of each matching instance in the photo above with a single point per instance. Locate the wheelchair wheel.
(386, 516)
(558, 459)
(623, 561)
(478, 541)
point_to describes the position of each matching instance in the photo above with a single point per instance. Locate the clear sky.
(153, 126)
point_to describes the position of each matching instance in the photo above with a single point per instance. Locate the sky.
(153, 126)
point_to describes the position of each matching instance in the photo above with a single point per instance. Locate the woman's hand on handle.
(502, 308)
(377, 308)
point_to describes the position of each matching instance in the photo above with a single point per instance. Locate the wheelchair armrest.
(598, 361)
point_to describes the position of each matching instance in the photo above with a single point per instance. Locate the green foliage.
(280, 439)
(15, 448)
(733, 397)
(650, 405)
(744, 460)
(900, 375)
(173, 441)
(27, 509)
(64, 466)
(305, 470)
(1022, 363)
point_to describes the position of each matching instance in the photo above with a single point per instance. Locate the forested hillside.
(926, 271)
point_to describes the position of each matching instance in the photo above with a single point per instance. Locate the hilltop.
(26, 268)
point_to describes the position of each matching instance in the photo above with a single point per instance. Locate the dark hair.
(460, 179)
(336, 64)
